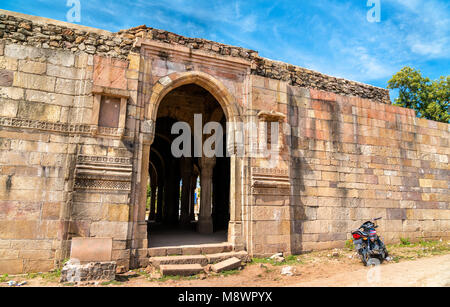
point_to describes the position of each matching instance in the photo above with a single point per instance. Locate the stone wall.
(49, 148)
(346, 160)
(354, 159)
(40, 94)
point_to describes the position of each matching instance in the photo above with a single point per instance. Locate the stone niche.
(109, 111)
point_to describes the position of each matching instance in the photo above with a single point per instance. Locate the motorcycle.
(368, 244)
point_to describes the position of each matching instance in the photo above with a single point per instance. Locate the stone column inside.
(171, 194)
(186, 174)
(205, 221)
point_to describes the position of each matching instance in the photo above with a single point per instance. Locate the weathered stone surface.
(6, 77)
(227, 265)
(51, 98)
(215, 248)
(215, 258)
(12, 93)
(9, 107)
(105, 229)
(31, 67)
(35, 82)
(110, 73)
(396, 214)
(18, 229)
(11, 266)
(100, 271)
(91, 249)
(39, 111)
(181, 269)
(157, 252)
(8, 63)
(192, 259)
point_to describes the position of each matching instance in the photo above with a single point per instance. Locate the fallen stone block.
(181, 269)
(227, 265)
(216, 258)
(73, 271)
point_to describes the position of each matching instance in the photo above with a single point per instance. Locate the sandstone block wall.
(354, 159)
(346, 160)
(47, 143)
(39, 91)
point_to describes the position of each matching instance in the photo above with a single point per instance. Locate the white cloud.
(425, 25)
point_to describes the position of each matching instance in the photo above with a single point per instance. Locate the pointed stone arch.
(168, 83)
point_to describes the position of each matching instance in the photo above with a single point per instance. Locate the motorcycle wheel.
(365, 258)
(386, 254)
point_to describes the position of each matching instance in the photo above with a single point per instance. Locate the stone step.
(190, 250)
(227, 265)
(202, 260)
(181, 269)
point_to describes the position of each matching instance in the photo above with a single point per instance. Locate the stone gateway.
(85, 150)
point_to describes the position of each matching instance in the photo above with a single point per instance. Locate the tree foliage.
(430, 98)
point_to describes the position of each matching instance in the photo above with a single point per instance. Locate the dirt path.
(420, 264)
(430, 272)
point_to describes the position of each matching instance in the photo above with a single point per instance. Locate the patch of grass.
(32, 275)
(420, 249)
(405, 242)
(52, 275)
(69, 284)
(175, 278)
(288, 260)
(112, 282)
(4, 278)
(229, 273)
(349, 244)
(65, 261)
(429, 243)
(167, 278)
(396, 259)
(141, 272)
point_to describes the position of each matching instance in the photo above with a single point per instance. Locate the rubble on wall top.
(40, 32)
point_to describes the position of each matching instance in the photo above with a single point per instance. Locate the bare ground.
(424, 264)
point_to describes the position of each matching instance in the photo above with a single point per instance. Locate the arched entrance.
(191, 204)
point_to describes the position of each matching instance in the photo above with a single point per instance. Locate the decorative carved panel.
(56, 127)
(103, 173)
(266, 179)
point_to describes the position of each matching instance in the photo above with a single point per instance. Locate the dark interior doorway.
(174, 187)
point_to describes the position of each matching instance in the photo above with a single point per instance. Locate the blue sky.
(330, 36)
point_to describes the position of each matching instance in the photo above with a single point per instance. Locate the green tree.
(429, 98)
